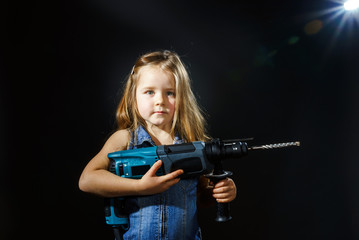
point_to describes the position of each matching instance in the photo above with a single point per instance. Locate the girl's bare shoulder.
(119, 140)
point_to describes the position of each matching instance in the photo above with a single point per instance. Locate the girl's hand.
(150, 183)
(225, 191)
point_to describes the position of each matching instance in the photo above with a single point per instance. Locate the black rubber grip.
(223, 212)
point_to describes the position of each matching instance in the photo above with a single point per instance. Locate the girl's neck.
(160, 136)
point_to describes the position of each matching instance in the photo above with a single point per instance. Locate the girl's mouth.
(160, 112)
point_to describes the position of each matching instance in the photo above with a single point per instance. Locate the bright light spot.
(351, 5)
(341, 17)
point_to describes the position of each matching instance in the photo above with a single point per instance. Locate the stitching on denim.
(184, 219)
(165, 216)
(140, 229)
(159, 228)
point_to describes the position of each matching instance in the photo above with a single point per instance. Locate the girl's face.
(155, 96)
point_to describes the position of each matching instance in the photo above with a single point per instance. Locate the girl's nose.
(160, 99)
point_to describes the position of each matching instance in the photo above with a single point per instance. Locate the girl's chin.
(159, 124)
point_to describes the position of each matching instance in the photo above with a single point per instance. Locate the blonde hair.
(188, 121)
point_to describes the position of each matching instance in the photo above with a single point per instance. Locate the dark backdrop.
(276, 71)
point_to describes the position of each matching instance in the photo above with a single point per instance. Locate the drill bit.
(276, 145)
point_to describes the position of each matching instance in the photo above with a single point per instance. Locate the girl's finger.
(222, 189)
(222, 183)
(221, 195)
(173, 175)
(152, 171)
(224, 200)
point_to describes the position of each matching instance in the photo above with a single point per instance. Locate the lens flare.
(313, 27)
(351, 5)
(341, 17)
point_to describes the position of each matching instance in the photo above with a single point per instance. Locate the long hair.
(188, 121)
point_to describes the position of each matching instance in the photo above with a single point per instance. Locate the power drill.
(195, 159)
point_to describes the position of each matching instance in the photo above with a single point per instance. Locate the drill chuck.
(218, 150)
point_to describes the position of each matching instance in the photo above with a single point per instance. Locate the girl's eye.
(170, 94)
(149, 92)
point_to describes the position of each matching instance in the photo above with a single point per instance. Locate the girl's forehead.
(154, 75)
(152, 69)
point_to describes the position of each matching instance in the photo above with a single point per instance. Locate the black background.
(256, 72)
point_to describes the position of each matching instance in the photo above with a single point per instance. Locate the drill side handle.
(223, 209)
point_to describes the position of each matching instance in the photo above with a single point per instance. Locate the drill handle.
(223, 209)
(223, 212)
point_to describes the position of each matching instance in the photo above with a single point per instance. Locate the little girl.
(158, 108)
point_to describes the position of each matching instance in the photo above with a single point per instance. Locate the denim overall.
(169, 215)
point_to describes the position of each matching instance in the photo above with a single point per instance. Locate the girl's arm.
(96, 178)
